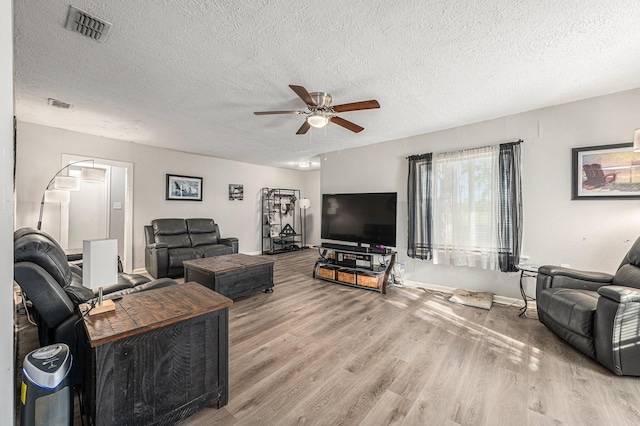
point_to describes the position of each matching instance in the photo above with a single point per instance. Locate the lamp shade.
(69, 183)
(99, 262)
(56, 196)
(304, 203)
(636, 140)
(93, 174)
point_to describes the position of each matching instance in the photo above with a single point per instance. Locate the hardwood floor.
(318, 353)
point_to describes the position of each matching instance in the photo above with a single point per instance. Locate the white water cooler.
(46, 397)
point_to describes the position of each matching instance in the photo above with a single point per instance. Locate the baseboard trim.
(502, 300)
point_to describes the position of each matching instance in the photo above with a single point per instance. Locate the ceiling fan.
(320, 112)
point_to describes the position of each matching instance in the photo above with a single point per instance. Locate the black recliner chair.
(597, 313)
(55, 289)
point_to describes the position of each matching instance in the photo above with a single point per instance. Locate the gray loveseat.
(172, 241)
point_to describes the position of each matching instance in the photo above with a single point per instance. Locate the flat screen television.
(368, 218)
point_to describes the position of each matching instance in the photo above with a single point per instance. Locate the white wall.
(39, 153)
(586, 234)
(7, 361)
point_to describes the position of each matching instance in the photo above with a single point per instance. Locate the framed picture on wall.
(186, 188)
(236, 192)
(605, 171)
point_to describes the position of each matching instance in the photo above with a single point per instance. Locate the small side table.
(526, 271)
(161, 356)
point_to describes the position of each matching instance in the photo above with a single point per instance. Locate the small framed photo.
(236, 192)
(605, 171)
(186, 188)
(274, 231)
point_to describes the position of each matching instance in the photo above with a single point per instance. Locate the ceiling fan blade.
(304, 95)
(277, 112)
(355, 106)
(346, 124)
(304, 128)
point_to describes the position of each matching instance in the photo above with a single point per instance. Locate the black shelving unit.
(281, 232)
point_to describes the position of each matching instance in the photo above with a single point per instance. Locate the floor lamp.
(57, 190)
(304, 205)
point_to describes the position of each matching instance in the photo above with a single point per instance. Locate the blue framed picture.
(184, 188)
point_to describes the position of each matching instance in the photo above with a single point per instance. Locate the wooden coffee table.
(232, 275)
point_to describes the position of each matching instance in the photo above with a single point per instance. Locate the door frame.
(127, 256)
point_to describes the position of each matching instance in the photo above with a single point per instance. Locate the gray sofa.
(595, 312)
(172, 241)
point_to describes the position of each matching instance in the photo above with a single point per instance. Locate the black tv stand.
(354, 266)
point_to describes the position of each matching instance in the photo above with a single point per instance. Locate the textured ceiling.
(189, 74)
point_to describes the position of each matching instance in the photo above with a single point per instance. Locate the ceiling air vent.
(59, 104)
(87, 25)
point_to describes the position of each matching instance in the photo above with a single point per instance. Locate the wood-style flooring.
(318, 353)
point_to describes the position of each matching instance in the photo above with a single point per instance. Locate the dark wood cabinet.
(162, 356)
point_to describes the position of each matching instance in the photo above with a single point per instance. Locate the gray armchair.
(597, 313)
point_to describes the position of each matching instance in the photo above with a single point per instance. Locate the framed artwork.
(186, 188)
(274, 231)
(605, 171)
(236, 192)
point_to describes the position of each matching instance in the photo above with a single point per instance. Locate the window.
(465, 207)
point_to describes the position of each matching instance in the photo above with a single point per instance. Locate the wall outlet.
(117, 205)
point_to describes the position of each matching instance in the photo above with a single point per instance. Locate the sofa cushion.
(132, 279)
(39, 248)
(174, 241)
(169, 226)
(215, 250)
(203, 239)
(200, 226)
(573, 309)
(627, 276)
(179, 255)
(172, 232)
(202, 232)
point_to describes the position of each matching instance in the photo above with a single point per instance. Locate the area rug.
(472, 298)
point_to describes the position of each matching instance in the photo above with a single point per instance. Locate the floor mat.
(472, 298)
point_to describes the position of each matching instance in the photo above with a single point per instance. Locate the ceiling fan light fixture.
(317, 120)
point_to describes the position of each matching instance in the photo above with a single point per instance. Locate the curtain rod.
(421, 156)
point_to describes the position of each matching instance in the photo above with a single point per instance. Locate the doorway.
(100, 209)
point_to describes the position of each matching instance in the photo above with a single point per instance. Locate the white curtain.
(466, 199)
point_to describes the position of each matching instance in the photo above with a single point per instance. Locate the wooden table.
(159, 357)
(233, 275)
